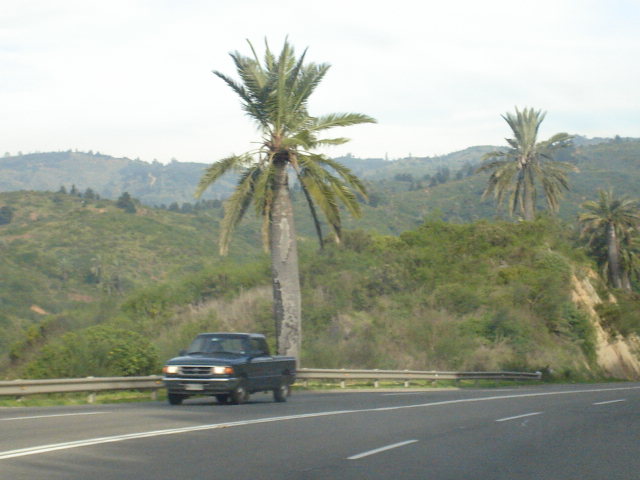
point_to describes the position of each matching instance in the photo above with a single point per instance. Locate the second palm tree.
(526, 163)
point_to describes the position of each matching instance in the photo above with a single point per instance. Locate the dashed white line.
(51, 416)
(381, 449)
(611, 401)
(519, 416)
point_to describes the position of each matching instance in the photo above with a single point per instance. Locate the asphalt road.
(539, 432)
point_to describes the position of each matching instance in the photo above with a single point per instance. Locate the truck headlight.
(170, 369)
(223, 370)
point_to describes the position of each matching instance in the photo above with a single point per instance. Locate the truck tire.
(240, 394)
(222, 398)
(175, 398)
(281, 393)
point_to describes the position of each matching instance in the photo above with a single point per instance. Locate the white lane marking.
(381, 449)
(51, 416)
(611, 401)
(156, 433)
(402, 394)
(519, 416)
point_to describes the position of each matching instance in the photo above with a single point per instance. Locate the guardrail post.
(342, 384)
(154, 394)
(92, 397)
(406, 384)
(376, 383)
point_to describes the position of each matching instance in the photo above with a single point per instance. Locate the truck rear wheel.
(222, 397)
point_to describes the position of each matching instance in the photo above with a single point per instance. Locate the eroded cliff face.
(617, 356)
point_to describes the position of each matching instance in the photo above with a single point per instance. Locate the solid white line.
(611, 401)
(381, 449)
(118, 438)
(51, 416)
(156, 433)
(519, 416)
(402, 394)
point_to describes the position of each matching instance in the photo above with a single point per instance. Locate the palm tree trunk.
(613, 252)
(529, 210)
(284, 268)
(529, 197)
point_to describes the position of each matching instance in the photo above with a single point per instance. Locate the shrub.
(99, 351)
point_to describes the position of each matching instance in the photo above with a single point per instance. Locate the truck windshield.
(217, 345)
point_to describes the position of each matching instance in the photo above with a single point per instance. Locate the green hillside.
(612, 164)
(79, 277)
(67, 262)
(420, 281)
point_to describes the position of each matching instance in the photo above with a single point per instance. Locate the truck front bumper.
(200, 386)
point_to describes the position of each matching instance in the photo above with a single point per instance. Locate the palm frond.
(236, 206)
(331, 141)
(347, 175)
(274, 91)
(340, 120)
(218, 169)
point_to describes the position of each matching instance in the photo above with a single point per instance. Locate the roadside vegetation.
(478, 296)
(482, 295)
(430, 277)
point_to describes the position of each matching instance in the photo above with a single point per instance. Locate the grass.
(67, 399)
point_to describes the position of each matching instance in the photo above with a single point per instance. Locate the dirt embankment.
(617, 356)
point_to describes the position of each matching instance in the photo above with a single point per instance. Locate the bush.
(622, 317)
(6, 215)
(99, 351)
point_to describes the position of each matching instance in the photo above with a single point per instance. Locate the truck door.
(262, 364)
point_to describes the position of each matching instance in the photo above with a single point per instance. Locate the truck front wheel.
(240, 394)
(175, 398)
(281, 393)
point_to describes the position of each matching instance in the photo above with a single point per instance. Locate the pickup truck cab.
(228, 366)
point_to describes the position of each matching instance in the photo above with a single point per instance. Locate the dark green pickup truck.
(228, 366)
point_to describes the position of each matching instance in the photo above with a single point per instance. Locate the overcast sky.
(133, 78)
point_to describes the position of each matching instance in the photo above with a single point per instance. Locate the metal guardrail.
(92, 385)
(407, 375)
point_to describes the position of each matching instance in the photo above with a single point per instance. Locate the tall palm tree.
(275, 94)
(611, 225)
(526, 163)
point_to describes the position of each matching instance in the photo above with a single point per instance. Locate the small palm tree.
(526, 163)
(275, 93)
(611, 225)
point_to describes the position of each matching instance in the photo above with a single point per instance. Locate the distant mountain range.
(156, 184)
(152, 183)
